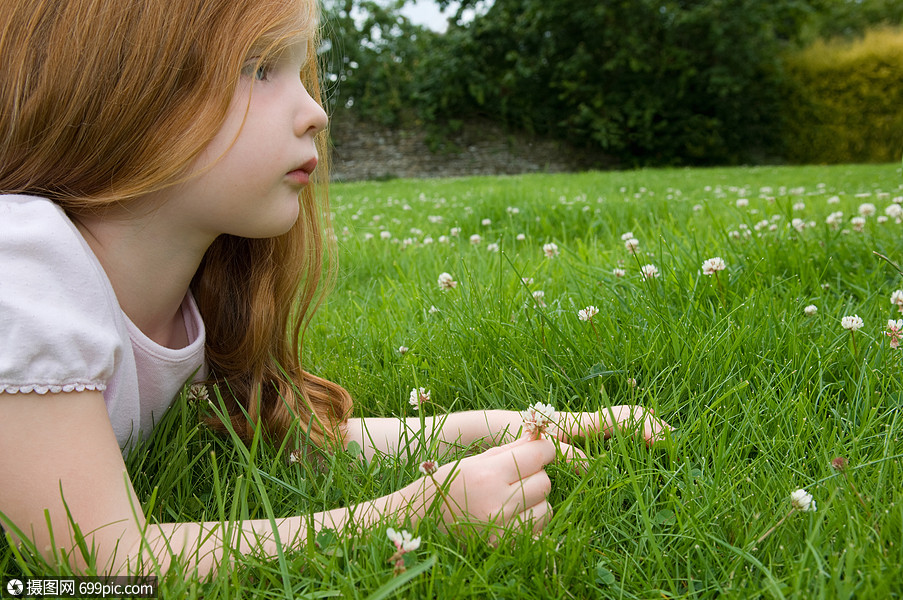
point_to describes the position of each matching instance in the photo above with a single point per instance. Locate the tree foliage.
(371, 56)
(648, 81)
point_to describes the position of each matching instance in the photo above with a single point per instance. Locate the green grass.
(763, 397)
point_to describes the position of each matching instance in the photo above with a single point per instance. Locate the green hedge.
(845, 100)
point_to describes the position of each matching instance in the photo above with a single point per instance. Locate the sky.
(426, 13)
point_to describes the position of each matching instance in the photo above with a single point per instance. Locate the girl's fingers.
(577, 425)
(522, 458)
(528, 492)
(652, 428)
(538, 516)
(505, 447)
(574, 456)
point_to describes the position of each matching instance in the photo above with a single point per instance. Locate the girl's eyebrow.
(272, 43)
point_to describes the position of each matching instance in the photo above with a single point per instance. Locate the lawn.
(763, 390)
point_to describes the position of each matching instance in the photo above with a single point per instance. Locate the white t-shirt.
(62, 330)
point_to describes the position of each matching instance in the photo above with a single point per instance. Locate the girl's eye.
(262, 73)
(259, 71)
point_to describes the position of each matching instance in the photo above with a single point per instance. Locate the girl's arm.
(61, 447)
(391, 435)
(493, 427)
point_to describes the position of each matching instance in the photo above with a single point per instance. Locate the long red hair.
(104, 102)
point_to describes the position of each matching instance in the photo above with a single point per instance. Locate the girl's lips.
(298, 177)
(301, 175)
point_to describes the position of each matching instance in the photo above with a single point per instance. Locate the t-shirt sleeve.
(57, 326)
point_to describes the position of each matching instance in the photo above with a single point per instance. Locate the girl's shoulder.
(58, 313)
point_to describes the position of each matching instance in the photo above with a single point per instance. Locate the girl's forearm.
(390, 435)
(203, 545)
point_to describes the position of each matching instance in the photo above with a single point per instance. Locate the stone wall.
(369, 151)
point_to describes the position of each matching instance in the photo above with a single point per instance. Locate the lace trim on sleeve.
(52, 388)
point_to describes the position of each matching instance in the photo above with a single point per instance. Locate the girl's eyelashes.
(260, 71)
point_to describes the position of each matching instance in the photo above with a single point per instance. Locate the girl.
(161, 219)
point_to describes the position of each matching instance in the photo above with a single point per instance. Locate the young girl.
(161, 220)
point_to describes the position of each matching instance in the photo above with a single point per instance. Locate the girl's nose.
(310, 117)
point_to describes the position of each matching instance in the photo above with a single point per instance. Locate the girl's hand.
(501, 486)
(624, 417)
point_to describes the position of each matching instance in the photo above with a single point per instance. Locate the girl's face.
(249, 177)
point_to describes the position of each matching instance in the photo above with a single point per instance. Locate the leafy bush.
(370, 56)
(844, 98)
(651, 82)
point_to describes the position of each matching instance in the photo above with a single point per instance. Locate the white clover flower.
(537, 418)
(810, 310)
(550, 250)
(433, 310)
(894, 211)
(429, 467)
(802, 500)
(834, 220)
(742, 202)
(799, 206)
(486, 222)
(587, 313)
(858, 223)
(895, 332)
(539, 297)
(697, 207)
(419, 396)
(454, 231)
(385, 235)
(512, 210)
(853, 322)
(435, 218)
(626, 236)
(632, 245)
(476, 239)
(798, 224)
(492, 247)
(368, 236)
(446, 282)
(403, 540)
(197, 392)
(521, 237)
(526, 280)
(402, 350)
(734, 235)
(867, 209)
(882, 219)
(834, 200)
(897, 298)
(712, 265)
(618, 272)
(649, 271)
